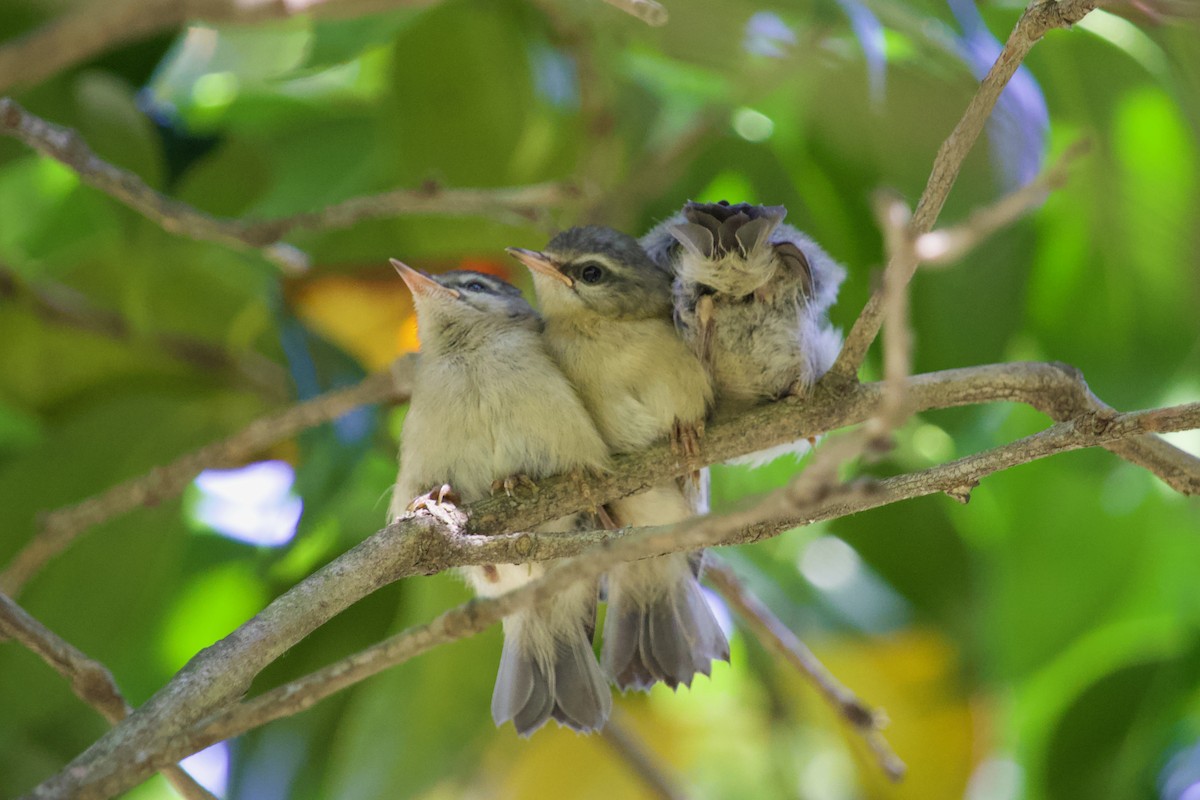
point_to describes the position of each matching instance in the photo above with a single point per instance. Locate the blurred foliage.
(1042, 642)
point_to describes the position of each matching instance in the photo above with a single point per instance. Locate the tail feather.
(659, 626)
(583, 699)
(549, 672)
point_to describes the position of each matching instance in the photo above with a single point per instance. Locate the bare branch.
(90, 680)
(637, 756)
(98, 26)
(61, 527)
(894, 217)
(776, 636)
(947, 245)
(1040, 17)
(65, 306)
(648, 11)
(102, 774)
(172, 723)
(1054, 389)
(519, 205)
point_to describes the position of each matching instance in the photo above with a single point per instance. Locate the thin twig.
(521, 205)
(1040, 17)
(65, 306)
(637, 756)
(776, 636)
(648, 11)
(61, 527)
(90, 680)
(93, 28)
(893, 218)
(947, 245)
(173, 723)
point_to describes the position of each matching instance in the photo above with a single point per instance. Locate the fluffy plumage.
(608, 324)
(488, 402)
(750, 297)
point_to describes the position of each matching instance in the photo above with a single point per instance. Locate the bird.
(607, 310)
(490, 409)
(751, 299)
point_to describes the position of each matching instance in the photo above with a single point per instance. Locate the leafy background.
(1041, 642)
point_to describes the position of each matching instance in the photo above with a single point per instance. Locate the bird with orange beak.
(490, 408)
(607, 309)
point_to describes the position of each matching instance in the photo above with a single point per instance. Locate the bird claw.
(583, 477)
(685, 444)
(436, 500)
(608, 519)
(511, 483)
(685, 438)
(798, 390)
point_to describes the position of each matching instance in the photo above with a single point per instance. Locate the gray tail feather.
(666, 633)
(548, 674)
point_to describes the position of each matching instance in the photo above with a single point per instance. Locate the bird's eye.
(475, 286)
(591, 273)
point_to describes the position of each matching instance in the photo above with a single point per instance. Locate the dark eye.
(475, 286)
(591, 273)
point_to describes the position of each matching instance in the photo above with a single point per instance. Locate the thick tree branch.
(90, 680)
(1054, 389)
(61, 527)
(513, 205)
(424, 544)
(1040, 17)
(778, 638)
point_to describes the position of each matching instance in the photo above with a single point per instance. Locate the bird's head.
(452, 304)
(729, 248)
(598, 270)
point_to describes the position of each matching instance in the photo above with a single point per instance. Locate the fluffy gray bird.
(490, 408)
(608, 324)
(751, 296)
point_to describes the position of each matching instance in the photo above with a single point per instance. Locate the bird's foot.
(443, 495)
(685, 445)
(440, 502)
(583, 477)
(511, 483)
(608, 519)
(685, 438)
(798, 390)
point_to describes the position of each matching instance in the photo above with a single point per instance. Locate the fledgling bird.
(490, 404)
(751, 298)
(608, 324)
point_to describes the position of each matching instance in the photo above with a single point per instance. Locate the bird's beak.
(421, 285)
(540, 263)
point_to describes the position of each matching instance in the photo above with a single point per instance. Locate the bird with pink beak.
(607, 310)
(490, 409)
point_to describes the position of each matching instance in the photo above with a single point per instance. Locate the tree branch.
(648, 11)
(776, 636)
(98, 26)
(64, 305)
(425, 543)
(512, 205)
(1040, 17)
(90, 680)
(641, 761)
(1055, 389)
(947, 245)
(61, 527)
